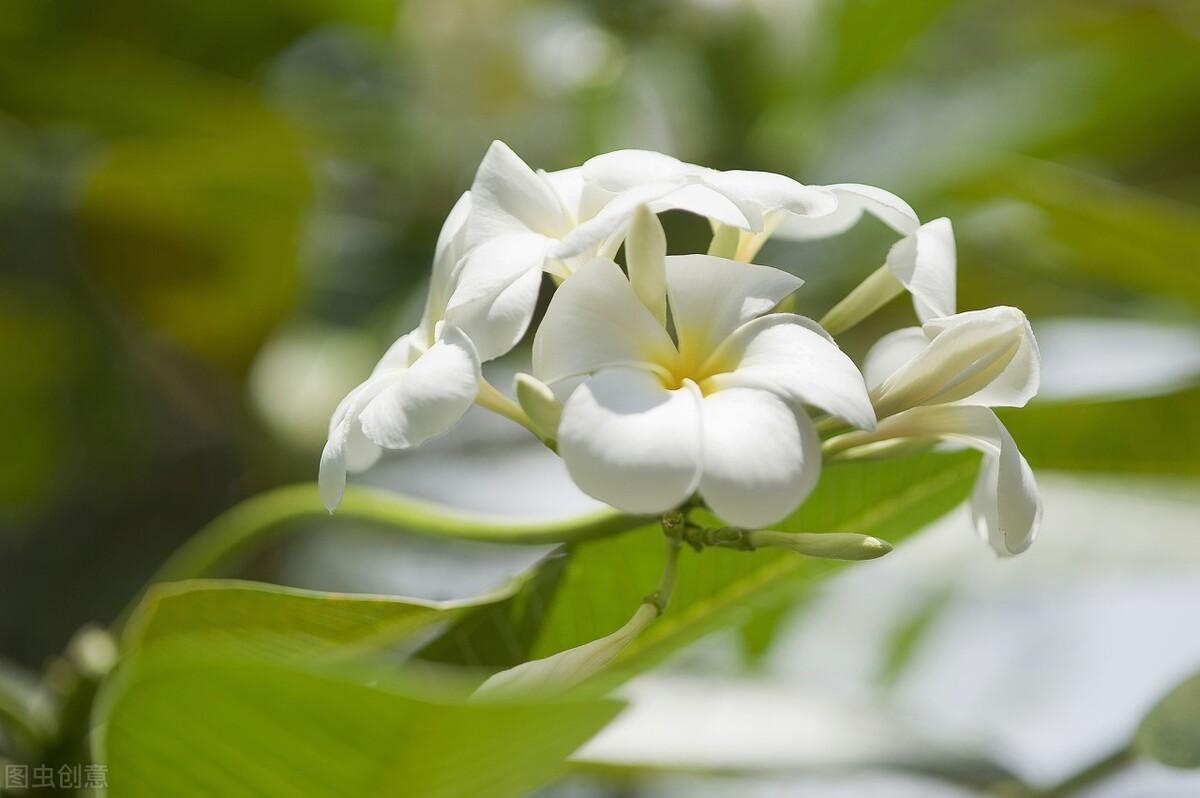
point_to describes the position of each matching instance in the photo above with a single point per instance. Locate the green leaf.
(606, 579)
(501, 635)
(218, 618)
(1121, 437)
(256, 729)
(1170, 733)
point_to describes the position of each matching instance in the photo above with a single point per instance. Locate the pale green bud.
(823, 545)
(540, 405)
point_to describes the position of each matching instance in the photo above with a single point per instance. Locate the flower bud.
(540, 404)
(822, 545)
(564, 670)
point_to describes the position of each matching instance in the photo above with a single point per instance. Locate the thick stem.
(268, 515)
(870, 295)
(490, 398)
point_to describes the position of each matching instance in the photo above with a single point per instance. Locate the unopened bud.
(564, 670)
(540, 404)
(823, 545)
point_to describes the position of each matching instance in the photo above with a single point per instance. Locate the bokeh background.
(215, 216)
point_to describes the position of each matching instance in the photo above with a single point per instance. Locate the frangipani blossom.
(421, 387)
(937, 383)
(717, 409)
(981, 357)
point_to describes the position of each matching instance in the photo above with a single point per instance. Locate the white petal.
(496, 292)
(645, 256)
(759, 193)
(628, 441)
(792, 357)
(401, 354)
(625, 169)
(609, 224)
(449, 250)
(982, 357)
(595, 320)
(853, 199)
(428, 398)
(711, 297)
(509, 197)
(702, 201)
(761, 458)
(1005, 505)
(891, 352)
(926, 265)
(345, 450)
(568, 186)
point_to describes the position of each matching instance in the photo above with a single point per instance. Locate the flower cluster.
(681, 376)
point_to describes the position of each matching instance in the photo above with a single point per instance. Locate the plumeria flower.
(420, 388)
(938, 383)
(922, 262)
(716, 409)
(524, 222)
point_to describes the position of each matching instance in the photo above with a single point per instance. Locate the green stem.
(490, 398)
(1095, 773)
(268, 515)
(870, 295)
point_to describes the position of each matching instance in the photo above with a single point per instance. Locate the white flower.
(937, 383)
(923, 261)
(981, 357)
(420, 388)
(652, 421)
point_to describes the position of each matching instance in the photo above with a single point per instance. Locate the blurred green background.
(214, 216)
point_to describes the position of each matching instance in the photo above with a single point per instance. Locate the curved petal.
(509, 197)
(1005, 505)
(926, 265)
(982, 357)
(610, 223)
(428, 398)
(496, 292)
(891, 352)
(629, 441)
(853, 199)
(761, 458)
(347, 449)
(568, 186)
(793, 358)
(711, 297)
(759, 193)
(645, 261)
(400, 355)
(702, 201)
(595, 320)
(622, 170)
(448, 252)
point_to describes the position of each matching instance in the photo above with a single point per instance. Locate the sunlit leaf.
(222, 617)
(265, 729)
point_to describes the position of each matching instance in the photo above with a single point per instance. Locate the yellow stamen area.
(696, 359)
